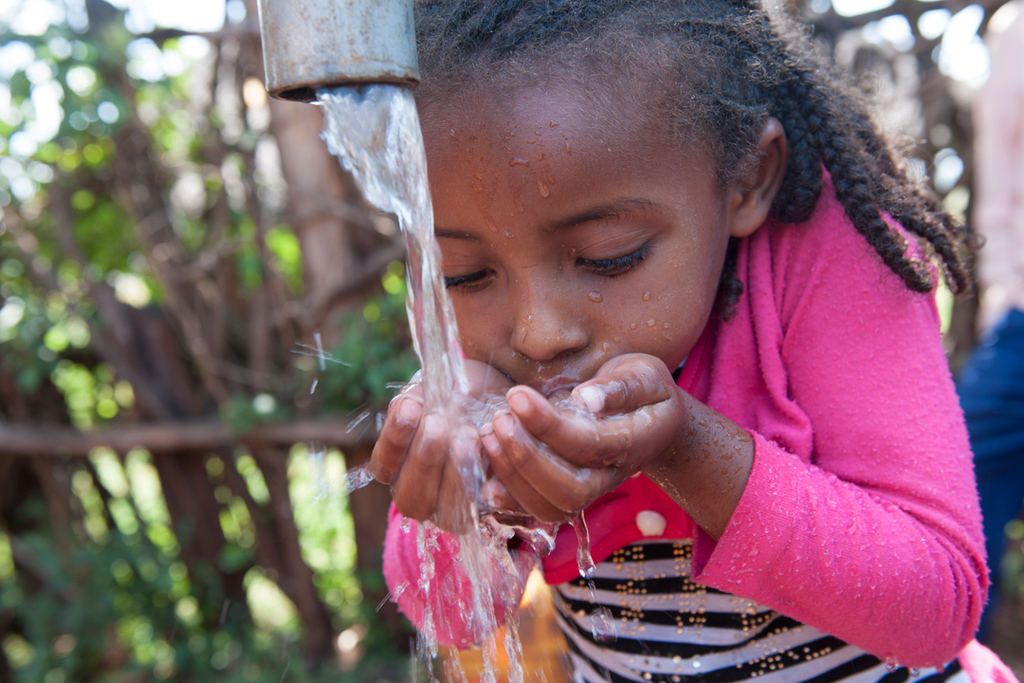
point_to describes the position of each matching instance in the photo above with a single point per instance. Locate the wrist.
(706, 468)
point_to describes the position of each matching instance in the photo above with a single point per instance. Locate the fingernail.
(490, 443)
(518, 402)
(503, 424)
(434, 426)
(409, 411)
(592, 397)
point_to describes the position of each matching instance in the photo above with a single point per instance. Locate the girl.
(700, 279)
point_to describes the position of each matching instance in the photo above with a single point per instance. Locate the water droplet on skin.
(518, 161)
(665, 326)
(520, 207)
(650, 323)
(568, 147)
(543, 188)
(647, 296)
(595, 297)
(632, 326)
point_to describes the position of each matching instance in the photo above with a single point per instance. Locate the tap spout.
(312, 43)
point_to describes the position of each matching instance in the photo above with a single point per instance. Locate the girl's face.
(572, 233)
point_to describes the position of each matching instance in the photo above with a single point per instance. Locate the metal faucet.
(312, 43)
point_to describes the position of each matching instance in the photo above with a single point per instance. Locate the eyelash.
(467, 282)
(610, 268)
(619, 265)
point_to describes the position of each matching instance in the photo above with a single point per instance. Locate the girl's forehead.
(557, 149)
(551, 111)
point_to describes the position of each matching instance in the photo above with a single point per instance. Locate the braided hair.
(728, 66)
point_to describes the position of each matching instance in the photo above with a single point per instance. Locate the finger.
(395, 437)
(624, 385)
(459, 481)
(572, 433)
(416, 487)
(546, 486)
(497, 500)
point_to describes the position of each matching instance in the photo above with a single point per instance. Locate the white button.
(650, 523)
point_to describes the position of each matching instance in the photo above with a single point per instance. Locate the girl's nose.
(547, 323)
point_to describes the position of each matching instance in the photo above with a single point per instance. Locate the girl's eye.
(618, 265)
(467, 282)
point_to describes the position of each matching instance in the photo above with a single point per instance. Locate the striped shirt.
(641, 618)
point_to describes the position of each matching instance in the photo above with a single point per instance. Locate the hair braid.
(733, 66)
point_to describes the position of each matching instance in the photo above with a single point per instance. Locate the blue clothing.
(991, 387)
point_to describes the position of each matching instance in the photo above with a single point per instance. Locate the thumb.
(624, 385)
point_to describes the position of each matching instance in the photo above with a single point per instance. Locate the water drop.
(543, 188)
(602, 627)
(632, 326)
(891, 665)
(665, 326)
(915, 672)
(518, 161)
(647, 296)
(696, 664)
(650, 323)
(595, 297)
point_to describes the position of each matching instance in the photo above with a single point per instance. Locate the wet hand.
(556, 456)
(425, 460)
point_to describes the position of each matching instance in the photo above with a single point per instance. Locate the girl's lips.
(549, 381)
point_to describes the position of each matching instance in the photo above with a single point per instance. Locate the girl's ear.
(750, 199)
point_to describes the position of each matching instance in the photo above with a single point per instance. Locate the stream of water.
(374, 131)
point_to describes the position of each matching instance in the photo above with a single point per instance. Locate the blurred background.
(200, 321)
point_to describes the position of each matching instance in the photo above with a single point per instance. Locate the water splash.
(602, 625)
(374, 131)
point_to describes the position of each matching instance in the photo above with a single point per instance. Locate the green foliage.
(284, 245)
(244, 412)
(123, 602)
(136, 181)
(375, 354)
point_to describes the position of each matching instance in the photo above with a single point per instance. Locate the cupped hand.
(426, 457)
(555, 457)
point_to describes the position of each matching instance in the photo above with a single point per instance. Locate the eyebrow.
(453, 234)
(611, 210)
(616, 209)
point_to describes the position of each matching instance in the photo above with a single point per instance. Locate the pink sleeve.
(447, 600)
(860, 516)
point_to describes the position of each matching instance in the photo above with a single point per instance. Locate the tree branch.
(61, 441)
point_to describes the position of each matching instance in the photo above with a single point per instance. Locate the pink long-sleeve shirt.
(860, 516)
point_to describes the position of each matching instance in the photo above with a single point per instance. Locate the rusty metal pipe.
(312, 43)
